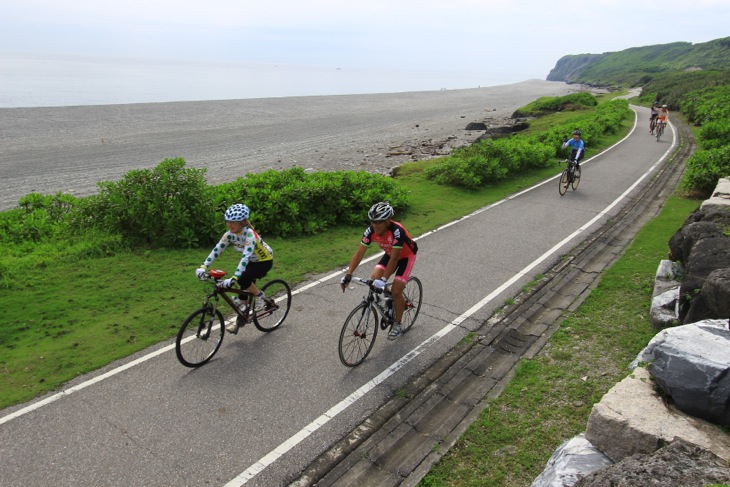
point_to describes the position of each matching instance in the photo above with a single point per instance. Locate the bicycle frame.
(244, 296)
(374, 297)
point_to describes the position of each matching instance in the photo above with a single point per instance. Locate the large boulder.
(572, 460)
(691, 364)
(633, 418)
(665, 298)
(679, 464)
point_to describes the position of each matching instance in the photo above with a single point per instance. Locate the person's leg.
(402, 273)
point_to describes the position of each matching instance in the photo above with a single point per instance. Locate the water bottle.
(389, 307)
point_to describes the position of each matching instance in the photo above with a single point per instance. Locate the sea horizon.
(31, 80)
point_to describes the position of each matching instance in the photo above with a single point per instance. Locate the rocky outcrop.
(702, 246)
(679, 463)
(634, 418)
(661, 424)
(569, 68)
(691, 365)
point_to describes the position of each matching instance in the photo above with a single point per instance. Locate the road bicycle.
(660, 130)
(376, 311)
(569, 177)
(652, 125)
(201, 334)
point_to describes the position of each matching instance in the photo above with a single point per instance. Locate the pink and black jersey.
(396, 237)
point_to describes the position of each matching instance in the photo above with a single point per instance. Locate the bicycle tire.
(576, 178)
(659, 132)
(278, 296)
(413, 294)
(358, 334)
(563, 182)
(199, 339)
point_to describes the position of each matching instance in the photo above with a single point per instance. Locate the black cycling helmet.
(380, 211)
(577, 132)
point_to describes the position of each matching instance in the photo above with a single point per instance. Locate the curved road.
(267, 405)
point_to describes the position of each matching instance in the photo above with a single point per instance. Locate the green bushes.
(547, 105)
(168, 206)
(710, 108)
(171, 206)
(490, 161)
(704, 168)
(292, 202)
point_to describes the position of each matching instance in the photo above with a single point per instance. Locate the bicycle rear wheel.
(358, 334)
(413, 294)
(200, 337)
(576, 178)
(278, 303)
(659, 131)
(563, 182)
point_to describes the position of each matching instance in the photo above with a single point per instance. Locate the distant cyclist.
(257, 258)
(577, 147)
(400, 256)
(663, 116)
(653, 116)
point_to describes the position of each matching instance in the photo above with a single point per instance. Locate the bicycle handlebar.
(368, 283)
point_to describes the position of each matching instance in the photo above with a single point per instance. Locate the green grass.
(63, 317)
(551, 396)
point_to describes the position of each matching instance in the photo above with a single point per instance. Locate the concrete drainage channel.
(400, 443)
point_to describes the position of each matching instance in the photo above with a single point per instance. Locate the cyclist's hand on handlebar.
(379, 284)
(345, 281)
(201, 273)
(226, 283)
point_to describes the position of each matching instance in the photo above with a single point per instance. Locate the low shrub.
(704, 168)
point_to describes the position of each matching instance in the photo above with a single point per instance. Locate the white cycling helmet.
(380, 211)
(237, 213)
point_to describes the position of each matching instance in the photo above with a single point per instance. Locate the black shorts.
(254, 270)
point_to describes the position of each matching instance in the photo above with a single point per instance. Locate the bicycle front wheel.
(358, 334)
(564, 182)
(413, 294)
(278, 303)
(576, 178)
(200, 337)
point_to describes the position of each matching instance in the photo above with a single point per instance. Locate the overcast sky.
(523, 38)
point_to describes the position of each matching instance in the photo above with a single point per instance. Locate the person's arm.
(392, 263)
(354, 262)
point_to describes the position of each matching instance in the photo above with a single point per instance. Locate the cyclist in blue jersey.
(257, 257)
(577, 147)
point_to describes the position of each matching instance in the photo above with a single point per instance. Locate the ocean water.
(45, 80)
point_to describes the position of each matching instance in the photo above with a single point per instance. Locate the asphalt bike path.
(269, 406)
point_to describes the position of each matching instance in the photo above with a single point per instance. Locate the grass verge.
(551, 396)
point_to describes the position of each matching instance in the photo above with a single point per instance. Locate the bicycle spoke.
(278, 303)
(413, 294)
(563, 182)
(358, 335)
(200, 337)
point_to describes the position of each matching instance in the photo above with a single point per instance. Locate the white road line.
(287, 445)
(297, 438)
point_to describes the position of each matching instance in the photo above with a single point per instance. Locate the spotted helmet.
(577, 132)
(380, 211)
(237, 213)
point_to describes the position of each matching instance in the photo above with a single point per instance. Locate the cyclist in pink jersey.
(398, 260)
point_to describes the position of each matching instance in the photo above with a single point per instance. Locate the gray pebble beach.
(70, 149)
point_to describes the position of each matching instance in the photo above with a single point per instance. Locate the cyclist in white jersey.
(257, 257)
